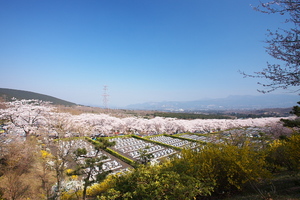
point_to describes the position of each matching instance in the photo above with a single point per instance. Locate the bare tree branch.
(283, 45)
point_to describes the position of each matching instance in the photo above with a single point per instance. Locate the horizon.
(235, 97)
(144, 51)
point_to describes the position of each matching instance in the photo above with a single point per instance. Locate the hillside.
(7, 94)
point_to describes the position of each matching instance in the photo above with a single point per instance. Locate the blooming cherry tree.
(27, 115)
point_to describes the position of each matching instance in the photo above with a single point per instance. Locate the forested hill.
(7, 94)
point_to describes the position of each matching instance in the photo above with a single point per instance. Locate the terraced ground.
(130, 147)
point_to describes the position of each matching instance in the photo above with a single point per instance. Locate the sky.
(142, 50)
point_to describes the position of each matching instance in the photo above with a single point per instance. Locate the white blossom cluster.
(37, 117)
(101, 123)
(25, 116)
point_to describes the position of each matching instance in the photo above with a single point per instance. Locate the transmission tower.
(105, 96)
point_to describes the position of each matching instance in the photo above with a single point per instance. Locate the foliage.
(244, 136)
(296, 122)
(285, 153)
(90, 166)
(223, 168)
(72, 189)
(121, 157)
(144, 157)
(45, 173)
(283, 45)
(152, 182)
(100, 143)
(214, 170)
(296, 110)
(112, 152)
(60, 159)
(98, 188)
(201, 173)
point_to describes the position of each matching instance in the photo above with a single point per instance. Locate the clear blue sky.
(144, 50)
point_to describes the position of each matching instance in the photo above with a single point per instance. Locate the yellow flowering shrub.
(223, 168)
(98, 188)
(285, 153)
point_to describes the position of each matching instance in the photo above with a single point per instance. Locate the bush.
(152, 182)
(284, 153)
(223, 168)
(121, 157)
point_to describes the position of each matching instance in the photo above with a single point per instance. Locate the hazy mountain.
(20, 94)
(231, 102)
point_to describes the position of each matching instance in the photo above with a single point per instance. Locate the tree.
(27, 115)
(44, 172)
(223, 168)
(61, 124)
(152, 182)
(277, 130)
(296, 122)
(61, 157)
(283, 45)
(144, 157)
(215, 169)
(285, 153)
(16, 170)
(90, 165)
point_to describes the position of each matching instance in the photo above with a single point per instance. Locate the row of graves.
(195, 137)
(212, 138)
(176, 142)
(131, 148)
(161, 146)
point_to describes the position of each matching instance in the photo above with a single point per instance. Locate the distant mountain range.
(229, 103)
(243, 102)
(8, 94)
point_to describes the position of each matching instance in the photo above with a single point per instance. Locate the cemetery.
(110, 163)
(195, 137)
(130, 147)
(174, 141)
(127, 146)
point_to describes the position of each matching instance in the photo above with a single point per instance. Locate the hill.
(7, 94)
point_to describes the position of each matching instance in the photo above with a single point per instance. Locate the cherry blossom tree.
(283, 45)
(27, 115)
(60, 124)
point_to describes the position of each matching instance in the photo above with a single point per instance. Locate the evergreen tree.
(296, 122)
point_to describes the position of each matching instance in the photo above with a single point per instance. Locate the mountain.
(230, 102)
(21, 94)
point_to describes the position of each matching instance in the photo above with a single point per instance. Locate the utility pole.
(105, 96)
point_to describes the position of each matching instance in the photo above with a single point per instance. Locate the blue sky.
(143, 50)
